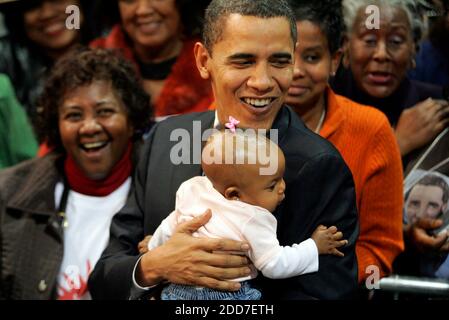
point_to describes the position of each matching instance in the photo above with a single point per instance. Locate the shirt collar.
(216, 121)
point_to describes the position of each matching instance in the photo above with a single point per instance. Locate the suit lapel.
(167, 177)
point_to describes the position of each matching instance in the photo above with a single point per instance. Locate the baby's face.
(266, 191)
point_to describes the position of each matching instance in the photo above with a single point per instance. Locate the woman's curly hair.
(81, 67)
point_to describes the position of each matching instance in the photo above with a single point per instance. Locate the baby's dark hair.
(327, 14)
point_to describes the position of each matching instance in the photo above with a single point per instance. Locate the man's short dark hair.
(219, 10)
(327, 14)
(436, 181)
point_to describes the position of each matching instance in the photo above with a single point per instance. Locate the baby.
(243, 185)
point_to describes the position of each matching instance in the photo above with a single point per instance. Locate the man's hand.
(418, 237)
(187, 260)
(419, 125)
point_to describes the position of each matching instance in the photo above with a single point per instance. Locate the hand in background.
(419, 125)
(417, 235)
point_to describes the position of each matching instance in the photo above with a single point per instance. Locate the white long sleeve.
(292, 261)
(272, 259)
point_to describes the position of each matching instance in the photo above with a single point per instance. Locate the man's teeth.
(94, 145)
(258, 102)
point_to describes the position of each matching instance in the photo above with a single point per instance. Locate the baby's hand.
(143, 245)
(328, 240)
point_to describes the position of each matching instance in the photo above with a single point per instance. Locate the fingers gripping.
(194, 224)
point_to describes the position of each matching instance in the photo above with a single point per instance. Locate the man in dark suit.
(247, 53)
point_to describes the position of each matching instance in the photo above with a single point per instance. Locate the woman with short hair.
(377, 61)
(55, 211)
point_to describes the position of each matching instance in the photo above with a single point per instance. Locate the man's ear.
(232, 193)
(201, 58)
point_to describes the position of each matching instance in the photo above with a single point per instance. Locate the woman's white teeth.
(93, 145)
(258, 102)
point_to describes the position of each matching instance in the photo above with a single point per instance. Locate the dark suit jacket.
(320, 190)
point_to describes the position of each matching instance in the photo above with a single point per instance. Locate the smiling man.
(247, 54)
(249, 65)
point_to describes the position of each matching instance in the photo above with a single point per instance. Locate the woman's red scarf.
(99, 188)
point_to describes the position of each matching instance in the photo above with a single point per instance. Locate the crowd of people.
(136, 149)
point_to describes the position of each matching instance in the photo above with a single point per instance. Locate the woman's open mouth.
(380, 78)
(93, 147)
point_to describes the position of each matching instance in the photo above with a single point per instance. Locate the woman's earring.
(413, 63)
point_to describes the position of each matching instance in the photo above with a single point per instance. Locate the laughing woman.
(55, 211)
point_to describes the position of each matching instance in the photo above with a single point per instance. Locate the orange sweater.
(367, 143)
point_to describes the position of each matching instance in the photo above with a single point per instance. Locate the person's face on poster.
(425, 202)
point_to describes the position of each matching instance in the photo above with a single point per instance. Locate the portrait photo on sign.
(427, 196)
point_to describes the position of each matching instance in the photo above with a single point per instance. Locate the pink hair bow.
(232, 124)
